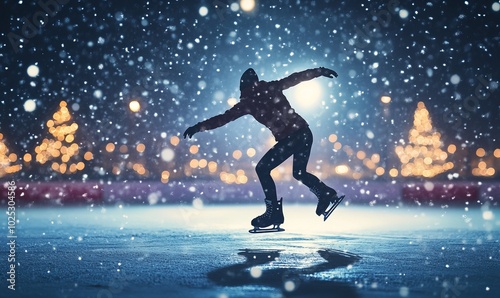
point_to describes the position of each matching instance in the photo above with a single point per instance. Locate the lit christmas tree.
(61, 148)
(423, 155)
(6, 159)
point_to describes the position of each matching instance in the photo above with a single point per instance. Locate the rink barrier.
(441, 193)
(54, 193)
(214, 192)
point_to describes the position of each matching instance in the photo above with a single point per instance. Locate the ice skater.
(266, 102)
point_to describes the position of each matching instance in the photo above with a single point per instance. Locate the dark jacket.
(266, 102)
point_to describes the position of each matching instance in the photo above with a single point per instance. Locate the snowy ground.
(206, 251)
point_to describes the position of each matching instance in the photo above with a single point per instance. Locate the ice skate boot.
(326, 196)
(273, 216)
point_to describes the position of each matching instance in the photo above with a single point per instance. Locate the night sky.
(182, 60)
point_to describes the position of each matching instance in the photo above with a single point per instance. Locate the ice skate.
(326, 196)
(335, 202)
(273, 216)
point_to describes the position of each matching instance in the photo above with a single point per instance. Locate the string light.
(6, 160)
(61, 147)
(423, 155)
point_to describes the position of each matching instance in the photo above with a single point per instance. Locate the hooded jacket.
(266, 102)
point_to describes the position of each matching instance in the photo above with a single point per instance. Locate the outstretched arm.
(217, 121)
(306, 75)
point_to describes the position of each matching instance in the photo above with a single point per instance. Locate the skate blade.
(329, 211)
(274, 229)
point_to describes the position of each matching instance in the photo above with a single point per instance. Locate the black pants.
(297, 144)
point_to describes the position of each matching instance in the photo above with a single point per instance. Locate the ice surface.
(206, 251)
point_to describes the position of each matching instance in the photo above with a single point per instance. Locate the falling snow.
(144, 70)
(102, 91)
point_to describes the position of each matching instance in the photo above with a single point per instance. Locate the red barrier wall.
(441, 193)
(54, 193)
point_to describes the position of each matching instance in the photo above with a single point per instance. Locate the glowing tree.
(60, 148)
(423, 155)
(6, 159)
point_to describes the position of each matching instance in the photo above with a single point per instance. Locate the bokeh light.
(167, 154)
(480, 152)
(110, 147)
(140, 148)
(385, 99)
(423, 156)
(247, 5)
(29, 105)
(60, 148)
(495, 6)
(232, 101)
(251, 152)
(403, 13)
(33, 71)
(203, 11)
(134, 106)
(307, 95)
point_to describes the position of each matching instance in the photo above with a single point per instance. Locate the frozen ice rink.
(206, 251)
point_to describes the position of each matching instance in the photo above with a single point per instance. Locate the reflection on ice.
(286, 273)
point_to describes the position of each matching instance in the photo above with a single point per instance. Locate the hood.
(248, 79)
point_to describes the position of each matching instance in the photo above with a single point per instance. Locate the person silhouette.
(266, 102)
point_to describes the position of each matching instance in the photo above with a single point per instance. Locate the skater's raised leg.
(324, 193)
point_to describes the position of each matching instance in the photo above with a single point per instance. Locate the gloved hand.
(328, 72)
(192, 130)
